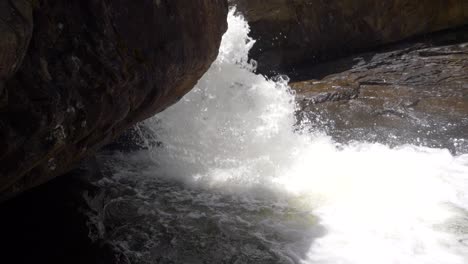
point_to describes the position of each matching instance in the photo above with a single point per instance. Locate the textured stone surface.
(15, 32)
(306, 31)
(417, 93)
(92, 69)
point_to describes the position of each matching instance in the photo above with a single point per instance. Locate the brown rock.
(92, 69)
(414, 94)
(289, 32)
(15, 32)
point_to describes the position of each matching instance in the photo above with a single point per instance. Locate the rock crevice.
(291, 33)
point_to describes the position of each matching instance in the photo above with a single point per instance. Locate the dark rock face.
(15, 31)
(92, 69)
(289, 33)
(416, 93)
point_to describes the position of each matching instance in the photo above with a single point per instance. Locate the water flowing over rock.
(307, 31)
(409, 93)
(234, 180)
(91, 70)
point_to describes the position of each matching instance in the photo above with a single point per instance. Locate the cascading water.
(236, 180)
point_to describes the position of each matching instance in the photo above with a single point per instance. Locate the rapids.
(235, 179)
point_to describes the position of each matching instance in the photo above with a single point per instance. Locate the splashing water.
(235, 132)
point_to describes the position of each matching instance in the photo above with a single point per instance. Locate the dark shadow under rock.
(54, 224)
(290, 33)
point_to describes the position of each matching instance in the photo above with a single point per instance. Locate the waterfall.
(235, 134)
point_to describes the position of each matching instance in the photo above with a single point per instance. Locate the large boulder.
(290, 32)
(75, 74)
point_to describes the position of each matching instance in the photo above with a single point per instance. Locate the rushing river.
(235, 179)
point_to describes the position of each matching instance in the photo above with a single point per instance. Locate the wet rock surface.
(135, 138)
(91, 70)
(413, 93)
(289, 33)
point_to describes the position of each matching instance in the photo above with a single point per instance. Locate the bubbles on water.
(233, 125)
(236, 132)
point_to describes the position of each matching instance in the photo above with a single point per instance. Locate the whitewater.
(234, 178)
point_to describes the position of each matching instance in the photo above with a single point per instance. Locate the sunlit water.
(234, 180)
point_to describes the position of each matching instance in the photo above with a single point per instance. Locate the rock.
(92, 69)
(416, 93)
(15, 31)
(290, 33)
(138, 137)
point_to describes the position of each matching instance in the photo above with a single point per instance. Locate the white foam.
(378, 204)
